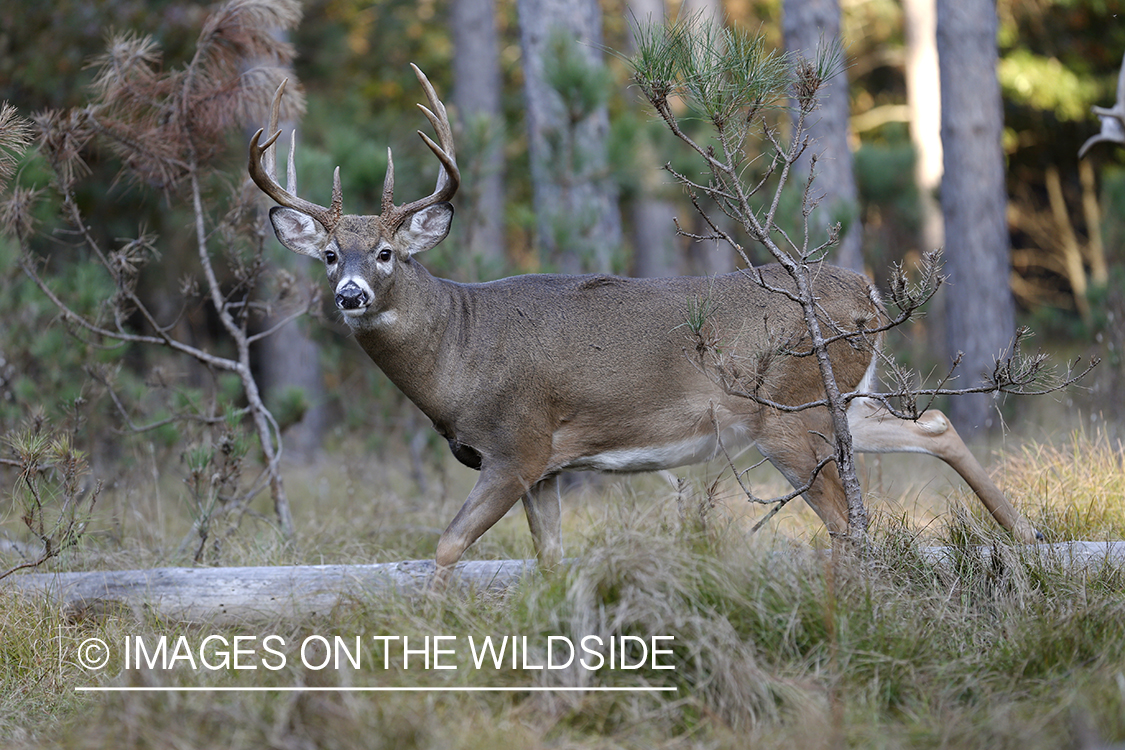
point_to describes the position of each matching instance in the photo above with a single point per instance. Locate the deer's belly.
(692, 450)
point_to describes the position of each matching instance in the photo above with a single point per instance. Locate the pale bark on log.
(252, 594)
(237, 595)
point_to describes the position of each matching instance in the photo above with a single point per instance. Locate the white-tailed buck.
(533, 375)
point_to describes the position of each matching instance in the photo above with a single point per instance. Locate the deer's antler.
(449, 177)
(263, 170)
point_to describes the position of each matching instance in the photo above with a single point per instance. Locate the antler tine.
(336, 209)
(263, 171)
(439, 119)
(449, 178)
(291, 166)
(389, 186)
(269, 161)
(431, 96)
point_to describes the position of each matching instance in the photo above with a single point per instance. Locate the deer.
(530, 376)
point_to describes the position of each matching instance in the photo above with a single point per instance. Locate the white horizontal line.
(375, 689)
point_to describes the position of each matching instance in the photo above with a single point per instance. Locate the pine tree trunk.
(923, 100)
(980, 315)
(578, 221)
(653, 229)
(290, 358)
(476, 94)
(923, 96)
(807, 25)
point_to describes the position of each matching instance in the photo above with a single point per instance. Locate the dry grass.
(1076, 488)
(773, 647)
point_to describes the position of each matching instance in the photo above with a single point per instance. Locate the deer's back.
(589, 342)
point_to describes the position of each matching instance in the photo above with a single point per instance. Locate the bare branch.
(70, 316)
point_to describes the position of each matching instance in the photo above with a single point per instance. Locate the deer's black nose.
(350, 297)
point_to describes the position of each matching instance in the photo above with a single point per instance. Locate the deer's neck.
(408, 338)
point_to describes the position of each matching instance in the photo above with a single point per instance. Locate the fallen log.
(235, 595)
(251, 594)
(1074, 557)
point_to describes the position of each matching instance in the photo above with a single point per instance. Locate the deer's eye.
(330, 257)
(384, 255)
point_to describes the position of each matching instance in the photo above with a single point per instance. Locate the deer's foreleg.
(498, 488)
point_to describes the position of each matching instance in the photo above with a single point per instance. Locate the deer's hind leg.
(543, 506)
(875, 430)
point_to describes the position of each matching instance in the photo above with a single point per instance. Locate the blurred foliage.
(1043, 83)
(1113, 201)
(891, 214)
(1058, 58)
(45, 48)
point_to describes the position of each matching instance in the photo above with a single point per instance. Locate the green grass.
(774, 646)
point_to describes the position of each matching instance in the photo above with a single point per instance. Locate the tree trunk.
(476, 94)
(923, 97)
(807, 25)
(653, 230)
(980, 315)
(709, 258)
(654, 234)
(290, 359)
(578, 222)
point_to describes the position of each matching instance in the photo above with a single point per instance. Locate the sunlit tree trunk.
(923, 98)
(476, 95)
(808, 24)
(980, 315)
(577, 217)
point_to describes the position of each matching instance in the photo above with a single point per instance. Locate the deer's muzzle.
(351, 296)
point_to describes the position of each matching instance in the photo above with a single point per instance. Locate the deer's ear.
(425, 228)
(297, 231)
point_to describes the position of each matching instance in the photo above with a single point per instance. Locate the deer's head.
(360, 253)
